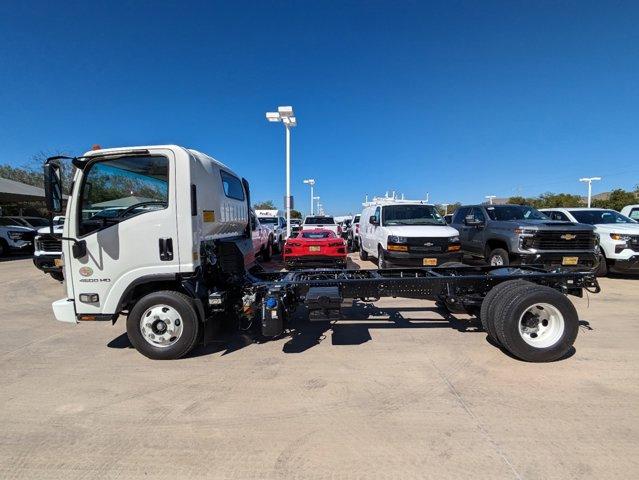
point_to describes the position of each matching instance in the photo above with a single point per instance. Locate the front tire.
(602, 269)
(163, 325)
(59, 276)
(363, 254)
(382, 263)
(498, 257)
(267, 252)
(4, 248)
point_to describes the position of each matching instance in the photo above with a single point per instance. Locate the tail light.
(336, 244)
(288, 250)
(293, 244)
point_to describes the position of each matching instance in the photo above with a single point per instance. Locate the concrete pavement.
(401, 392)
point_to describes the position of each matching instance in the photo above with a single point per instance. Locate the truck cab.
(180, 218)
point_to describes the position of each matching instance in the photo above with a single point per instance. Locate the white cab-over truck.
(164, 236)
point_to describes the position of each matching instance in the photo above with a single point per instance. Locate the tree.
(267, 205)
(554, 200)
(296, 214)
(617, 199)
(518, 200)
(451, 208)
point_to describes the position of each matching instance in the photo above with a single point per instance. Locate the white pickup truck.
(321, 222)
(618, 236)
(272, 220)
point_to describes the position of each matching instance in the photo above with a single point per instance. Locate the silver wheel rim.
(541, 325)
(161, 326)
(496, 261)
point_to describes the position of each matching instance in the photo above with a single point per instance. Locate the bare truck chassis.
(524, 309)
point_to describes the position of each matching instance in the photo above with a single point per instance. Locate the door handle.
(166, 249)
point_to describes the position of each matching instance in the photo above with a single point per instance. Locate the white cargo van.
(406, 233)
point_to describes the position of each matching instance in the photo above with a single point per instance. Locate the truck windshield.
(319, 221)
(514, 212)
(269, 220)
(117, 189)
(411, 215)
(594, 217)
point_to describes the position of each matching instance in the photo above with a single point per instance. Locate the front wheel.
(163, 325)
(382, 263)
(602, 269)
(363, 254)
(59, 276)
(498, 258)
(267, 252)
(4, 248)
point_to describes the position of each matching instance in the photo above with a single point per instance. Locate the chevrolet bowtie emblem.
(568, 236)
(428, 244)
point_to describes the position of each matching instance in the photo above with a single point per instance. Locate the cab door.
(126, 218)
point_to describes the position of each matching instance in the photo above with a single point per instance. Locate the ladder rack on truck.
(525, 309)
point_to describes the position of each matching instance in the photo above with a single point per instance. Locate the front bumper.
(629, 265)
(315, 261)
(64, 310)
(21, 246)
(585, 260)
(46, 263)
(409, 259)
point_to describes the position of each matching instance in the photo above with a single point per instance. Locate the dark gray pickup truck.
(516, 234)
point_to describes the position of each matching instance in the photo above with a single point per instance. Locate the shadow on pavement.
(15, 256)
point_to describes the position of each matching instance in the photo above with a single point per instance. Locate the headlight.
(15, 235)
(620, 236)
(454, 239)
(524, 232)
(396, 239)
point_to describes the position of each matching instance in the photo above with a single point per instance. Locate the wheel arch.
(153, 283)
(494, 243)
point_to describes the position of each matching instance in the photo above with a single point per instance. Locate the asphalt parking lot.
(399, 391)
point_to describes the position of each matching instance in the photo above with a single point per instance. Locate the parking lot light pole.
(311, 182)
(490, 198)
(286, 116)
(589, 181)
(445, 205)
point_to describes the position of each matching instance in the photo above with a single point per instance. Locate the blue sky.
(458, 99)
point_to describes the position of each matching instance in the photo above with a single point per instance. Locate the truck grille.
(562, 241)
(427, 245)
(47, 243)
(633, 243)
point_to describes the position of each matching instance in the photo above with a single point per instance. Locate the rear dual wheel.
(534, 323)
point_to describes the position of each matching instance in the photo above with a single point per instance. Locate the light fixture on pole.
(286, 116)
(589, 181)
(490, 198)
(311, 183)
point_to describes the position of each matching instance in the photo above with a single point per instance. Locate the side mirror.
(373, 220)
(471, 221)
(53, 187)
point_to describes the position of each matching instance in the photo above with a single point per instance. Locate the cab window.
(460, 214)
(118, 189)
(377, 215)
(232, 186)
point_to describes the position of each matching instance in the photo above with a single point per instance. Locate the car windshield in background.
(7, 222)
(319, 221)
(514, 212)
(356, 219)
(269, 220)
(318, 235)
(38, 222)
(593, 217)
(411, 215)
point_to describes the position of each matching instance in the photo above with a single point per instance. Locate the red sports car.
(315, 248)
